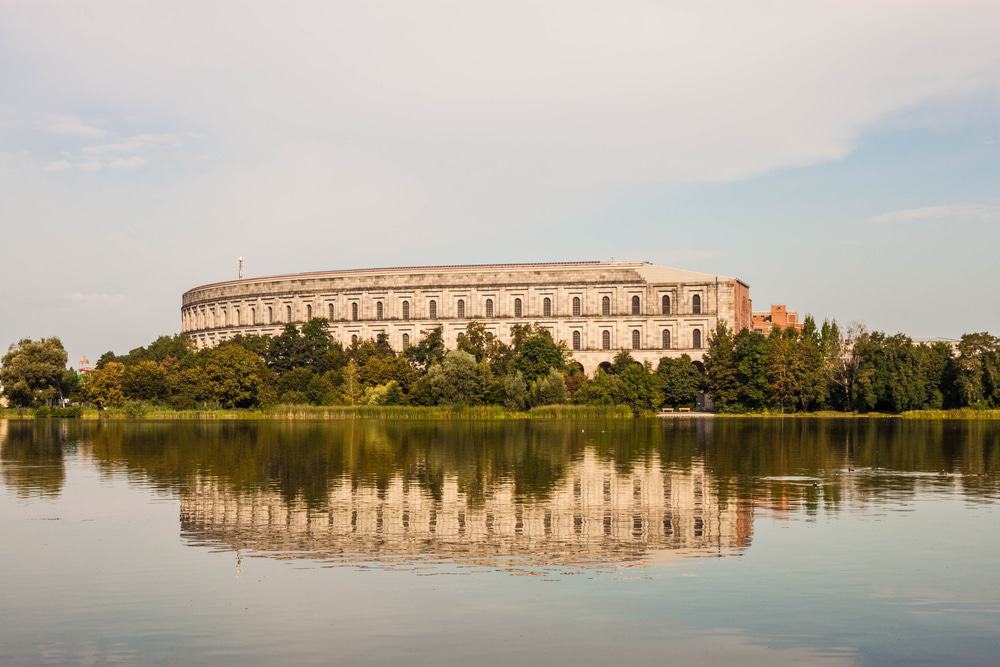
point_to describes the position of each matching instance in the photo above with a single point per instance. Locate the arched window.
(576, 340)
(330, 312)
(665, 304)
(406, 311)
(460, 308)
(636, 305)
(253, 315)
(309, 311)
(636, 339)
(547, 307)
(696, 304)
(270, 315)
(222, 317)
(605, 340)
(379, 310)
(354, 310)
(288, 313)
(606, 306)
(432, 309)
(666, 339)
(696, 339)
(576, 306)
(517, 308)
(406, 339)
(489, 307)
(354, 338)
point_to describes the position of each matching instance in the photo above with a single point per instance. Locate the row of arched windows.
(576, 336)
(202, 319)
(577, 339)
(577, 308)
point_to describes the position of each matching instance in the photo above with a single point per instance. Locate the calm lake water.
(687, 542)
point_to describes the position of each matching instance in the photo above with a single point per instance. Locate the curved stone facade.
(597, 308)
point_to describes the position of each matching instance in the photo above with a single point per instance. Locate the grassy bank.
(482, 412)
(962, 413)
(324, 412)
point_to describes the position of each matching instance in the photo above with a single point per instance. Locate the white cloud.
(134, 144)
(944, 212)
(127, 163)
(567, 92)
(57, 165)
(73, 126)
(91, 165)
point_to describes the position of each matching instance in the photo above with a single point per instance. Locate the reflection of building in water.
(598, 512)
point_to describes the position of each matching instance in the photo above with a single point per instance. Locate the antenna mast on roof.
(240, 273)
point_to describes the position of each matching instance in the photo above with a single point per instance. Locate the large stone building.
(597, 308)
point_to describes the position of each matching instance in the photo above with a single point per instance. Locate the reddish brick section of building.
(778, 318)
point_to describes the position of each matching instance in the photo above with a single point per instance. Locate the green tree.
(621, 362)
(236, 377)
(680, 380)
(603, 389)
(456, 380)
(352, 389)
(163, 350)
(31, 372)
(977, 379)
(535, 353)
(641, 390)
(105, 386)
(70, 384)
(752, 357)
(810, 377)
(145, 381)
(516, 391)
(429, 351)
(105, 359)
(294, 386)
(475, 340)
(549, 390)
(382, 369)
(781, 367)
(187, 386)
(721, 369)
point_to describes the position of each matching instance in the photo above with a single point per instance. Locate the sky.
(840, 157)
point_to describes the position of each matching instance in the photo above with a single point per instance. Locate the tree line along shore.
(303, 373)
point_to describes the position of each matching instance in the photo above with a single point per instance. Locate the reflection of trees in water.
(300, 460)
(31, 456)
(855, 461)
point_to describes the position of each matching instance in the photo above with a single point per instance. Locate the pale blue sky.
(843, 158)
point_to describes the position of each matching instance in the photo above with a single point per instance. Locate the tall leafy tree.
(978, 370)
(31, 372)
(721, 369)
(236, 377)
(456, 380)
(535, 353)
(810, 376)
(751, 352)
(105, 386)
(680, 380)
(781, 367)
(429, 351)
(145, 381)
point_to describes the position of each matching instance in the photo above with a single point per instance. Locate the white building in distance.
(596, 308)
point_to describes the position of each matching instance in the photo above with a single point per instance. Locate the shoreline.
(458, 413)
